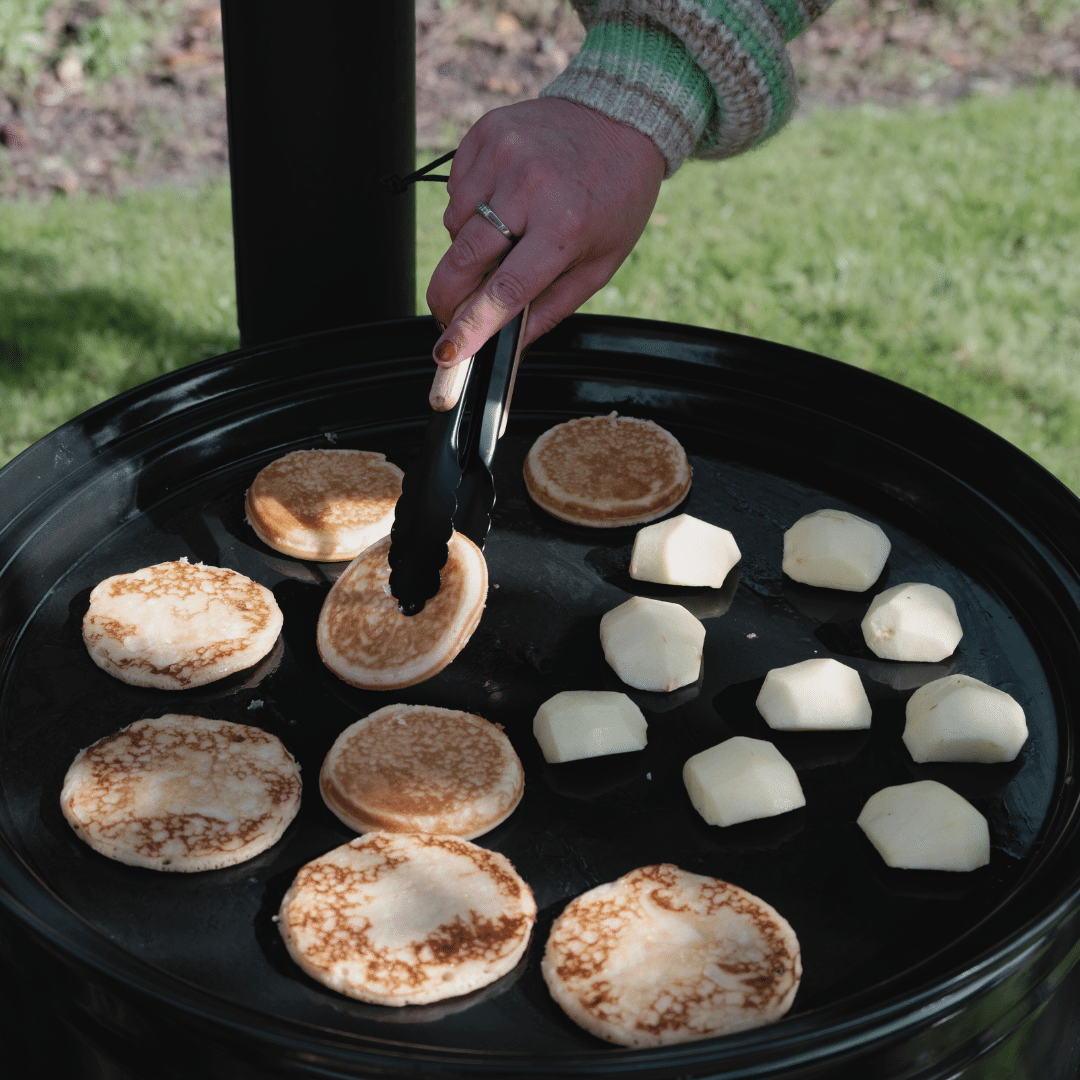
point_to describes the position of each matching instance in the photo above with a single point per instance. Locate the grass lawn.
(941, 249)
(99, 296)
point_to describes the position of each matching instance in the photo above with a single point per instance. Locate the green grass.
(98, 296)
(940, 249)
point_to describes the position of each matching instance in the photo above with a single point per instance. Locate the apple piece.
(814, 695)
(913, 621)
(741, 779)
(835, 550)
(588, 723)
(651, 644)
(684, 550)
(959, 718)
(926, 826)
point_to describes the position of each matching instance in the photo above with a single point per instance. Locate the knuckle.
(464, 254)
(453, 218)
(509, 290)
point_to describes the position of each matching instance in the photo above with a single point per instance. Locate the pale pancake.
(179, 624)
(607, 471)
(182, 793)
(419, 768)
(363, 637)
(665, 956)
(407, 918)
(327, 505)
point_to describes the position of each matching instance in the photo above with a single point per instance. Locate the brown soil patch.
(166, 121)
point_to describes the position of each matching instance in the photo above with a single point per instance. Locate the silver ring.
(495, 220)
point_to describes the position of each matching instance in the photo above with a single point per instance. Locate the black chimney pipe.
(321, 102)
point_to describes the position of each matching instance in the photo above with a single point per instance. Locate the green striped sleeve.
(708, 78)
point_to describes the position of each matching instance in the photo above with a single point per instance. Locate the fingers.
(565, 295)
(526, 272)
(474, 254)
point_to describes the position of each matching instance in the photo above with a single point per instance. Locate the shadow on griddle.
(587, 778)
(548, 524)
(941, 885)
(973, 780)
(761, 834)
(846, 639)
(908, 675)
(277, 956)
(612, 564)
(829, 605)
(737, 704)
(656, 701)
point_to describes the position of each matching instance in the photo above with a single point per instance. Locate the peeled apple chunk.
(588, 723)
(912, 622)
(959, 718)
(814, 695)
(684, 550)
(741, 779)
(835, 550)
(926, 826)
(651, 644)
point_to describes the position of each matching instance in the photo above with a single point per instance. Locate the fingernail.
(446, 352)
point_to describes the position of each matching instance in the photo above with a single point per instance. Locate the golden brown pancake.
(363, 637)
(607, 471)
(419, 768)
(407, 918)
(665, 956)
(324, 504)
(182, 793)
(179, 624)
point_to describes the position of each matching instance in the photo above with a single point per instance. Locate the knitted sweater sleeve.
(707, 78)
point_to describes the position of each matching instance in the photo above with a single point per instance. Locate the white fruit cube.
(835, 550)
(815, 695)
(588, 723)
(684, 550)
(651, 644)
(741, 779)
(912, 621)
(959, 718)
(926, 826)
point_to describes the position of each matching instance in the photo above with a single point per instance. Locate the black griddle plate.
(772, 434)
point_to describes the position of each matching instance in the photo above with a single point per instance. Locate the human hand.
(574, 185)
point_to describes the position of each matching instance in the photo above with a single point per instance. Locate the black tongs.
(449, 485)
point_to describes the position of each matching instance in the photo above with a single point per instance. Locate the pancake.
(327, 505)
(419, 768)
(407, 918)
(607, 471)
(178, 624)
(664, 956)
(182, 793)
(364, 639)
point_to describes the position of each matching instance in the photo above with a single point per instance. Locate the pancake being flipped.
(419, 768)
(178, 624)
(665, 956)
(607, 471)
(182, 793)
(364, 639)
(407, 918)
(327, 505)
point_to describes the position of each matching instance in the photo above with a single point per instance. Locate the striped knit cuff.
(634, 71)
(704, 77)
